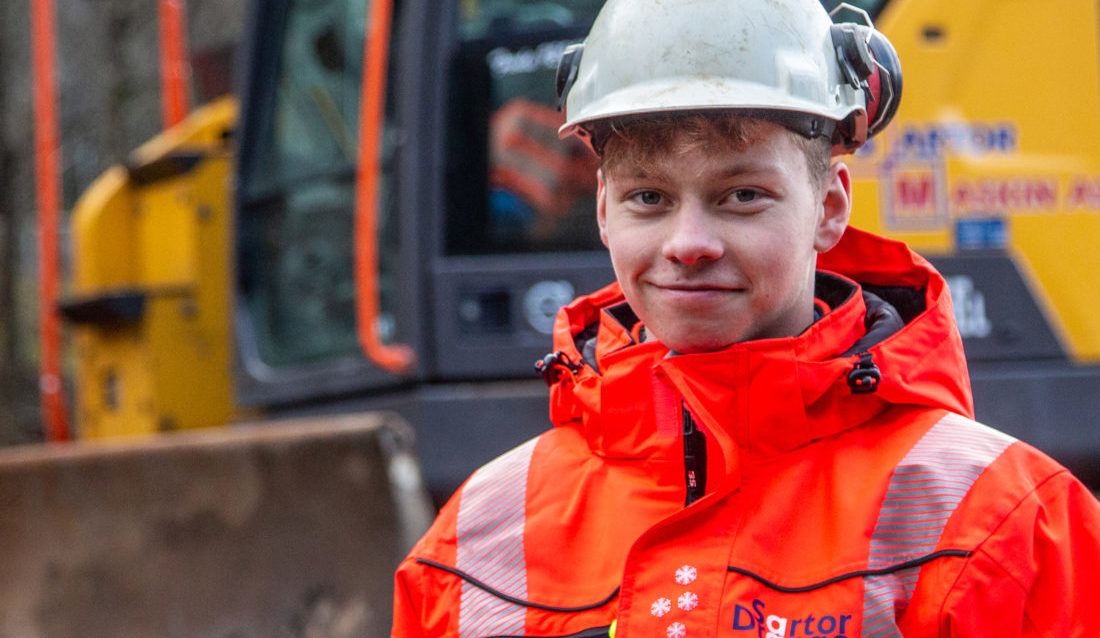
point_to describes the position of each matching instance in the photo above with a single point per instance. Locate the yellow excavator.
(383, 218)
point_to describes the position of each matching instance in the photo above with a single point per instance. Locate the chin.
(696, 347)
(687, 339)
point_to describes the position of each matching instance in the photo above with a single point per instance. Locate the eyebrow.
(736, 169)
(746, 168)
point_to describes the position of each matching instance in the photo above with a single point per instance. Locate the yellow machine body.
(151, 279)
(997, 142)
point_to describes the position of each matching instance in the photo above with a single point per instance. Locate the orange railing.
(397, 358)
(48, 193)
(175, 68)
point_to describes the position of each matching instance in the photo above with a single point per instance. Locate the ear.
(836, 201)
(601, 206)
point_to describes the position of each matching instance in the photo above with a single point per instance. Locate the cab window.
(297, 182)
(512, 185)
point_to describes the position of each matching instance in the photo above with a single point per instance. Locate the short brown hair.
(637, 140)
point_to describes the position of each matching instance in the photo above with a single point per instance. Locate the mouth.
(699, 288)
(701, 297)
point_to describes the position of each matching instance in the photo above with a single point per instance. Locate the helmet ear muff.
(869, 62)
(884, 95)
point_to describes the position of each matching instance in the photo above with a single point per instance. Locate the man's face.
(713, 248)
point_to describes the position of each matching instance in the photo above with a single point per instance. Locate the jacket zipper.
(695, 459)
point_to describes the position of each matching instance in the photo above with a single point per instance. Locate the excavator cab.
(471, 176)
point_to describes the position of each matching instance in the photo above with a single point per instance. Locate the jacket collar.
(761, 398)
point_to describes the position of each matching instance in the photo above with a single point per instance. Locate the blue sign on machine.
(987, 233)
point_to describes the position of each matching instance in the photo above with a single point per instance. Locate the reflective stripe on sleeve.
(492, 515)
(924, 491)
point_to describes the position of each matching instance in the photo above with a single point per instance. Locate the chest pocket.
(813, 609)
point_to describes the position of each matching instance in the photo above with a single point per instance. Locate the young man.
(764, 427)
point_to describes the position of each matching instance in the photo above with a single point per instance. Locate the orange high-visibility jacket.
(830, 484)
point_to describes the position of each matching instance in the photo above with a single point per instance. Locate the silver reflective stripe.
(492, 514)
(924, 491)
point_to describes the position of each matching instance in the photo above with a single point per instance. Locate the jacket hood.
(890, 312)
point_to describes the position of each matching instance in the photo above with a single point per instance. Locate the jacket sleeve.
(426, 600)
(407, 603)
(1064, 596)
(1038, 574)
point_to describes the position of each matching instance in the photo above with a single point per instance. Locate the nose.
(692, 236)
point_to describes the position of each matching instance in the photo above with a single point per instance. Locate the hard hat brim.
(680, 94)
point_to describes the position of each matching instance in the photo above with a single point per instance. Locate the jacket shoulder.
(998, 471)
(495, 494)
(474, 566)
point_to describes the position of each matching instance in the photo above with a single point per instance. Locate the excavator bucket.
(288, 529)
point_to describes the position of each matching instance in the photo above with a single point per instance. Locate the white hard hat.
(779, 59)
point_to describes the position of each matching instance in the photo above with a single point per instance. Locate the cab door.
(296, 320)
(486, 219)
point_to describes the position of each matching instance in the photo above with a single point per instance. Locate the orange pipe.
(48, 190)
(175, 70)
(397, 358)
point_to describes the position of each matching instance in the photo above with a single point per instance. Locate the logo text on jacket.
(776, 626)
